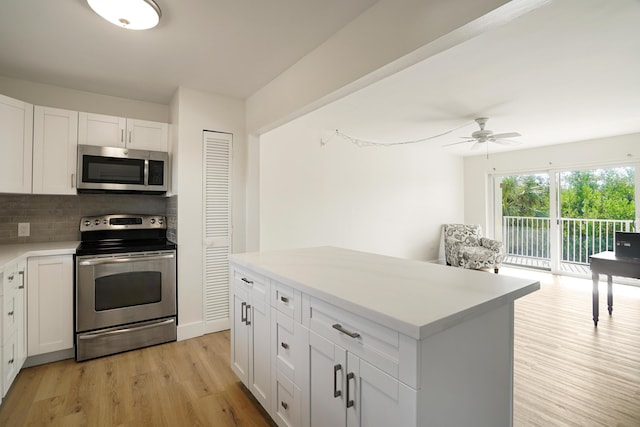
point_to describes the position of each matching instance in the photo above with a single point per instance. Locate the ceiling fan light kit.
(129, 14)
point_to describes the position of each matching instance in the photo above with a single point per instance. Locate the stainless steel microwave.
(121, 170)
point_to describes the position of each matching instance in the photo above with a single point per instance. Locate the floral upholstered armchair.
(465, 247)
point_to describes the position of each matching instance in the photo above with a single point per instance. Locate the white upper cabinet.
(146, 135)
(16, 131)
(55, 143)
(111, 131)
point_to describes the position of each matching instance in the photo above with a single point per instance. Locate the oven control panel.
(122, 222)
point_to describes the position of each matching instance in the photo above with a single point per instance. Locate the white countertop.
(415, 298)
(12, 253)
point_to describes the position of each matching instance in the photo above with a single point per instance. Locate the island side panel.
(467, 373)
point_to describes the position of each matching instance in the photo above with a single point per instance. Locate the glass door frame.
(553, 210)
(495, 203)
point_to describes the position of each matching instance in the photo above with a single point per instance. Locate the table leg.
(610, 293)
(595, 277)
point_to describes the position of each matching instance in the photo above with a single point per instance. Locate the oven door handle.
(124, 330)
(98, 261)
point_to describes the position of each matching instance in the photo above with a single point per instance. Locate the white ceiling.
(565, 72)
(568, 71)
(227, 47)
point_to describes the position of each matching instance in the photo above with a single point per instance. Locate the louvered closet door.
(217, 229)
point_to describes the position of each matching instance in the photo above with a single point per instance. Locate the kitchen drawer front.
(374, 343)
(287, 401)
(9, 313)
(286, 345)
(9, 362)
(253, 282)
(287, 300)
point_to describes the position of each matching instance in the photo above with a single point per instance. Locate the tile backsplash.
(57, 218)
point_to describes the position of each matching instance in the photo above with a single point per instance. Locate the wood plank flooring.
(567, 373)
(186, 383)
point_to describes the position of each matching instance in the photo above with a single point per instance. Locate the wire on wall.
(367, 143)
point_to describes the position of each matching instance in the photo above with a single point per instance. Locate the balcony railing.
(531, 237)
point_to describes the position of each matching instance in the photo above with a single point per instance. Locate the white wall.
(386, 38)
(196, 111)
(386, 200)
(617, 150)
(71, 99)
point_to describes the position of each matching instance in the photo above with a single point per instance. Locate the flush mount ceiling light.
(129, 14)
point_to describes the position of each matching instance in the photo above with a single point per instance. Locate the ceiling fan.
(484, 135)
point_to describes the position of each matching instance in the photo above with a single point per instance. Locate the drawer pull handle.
(247, 321)
(11, 361)
(243, 313)
(285, 345)
(245, 280)
(350, 376)
(284, 404)
(336, 392)
(284, 299)
(21, 273)
(10, 278)
(339, 327)
(10, 313)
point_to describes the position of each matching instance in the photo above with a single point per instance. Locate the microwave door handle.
(98, 261)
(146, 171)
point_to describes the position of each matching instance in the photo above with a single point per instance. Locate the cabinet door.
(239, 333)
(260, 349)
(328, 373)
(146, 135)
(98, 129)
(55, 145)
(16, 131)
(50, 304)
(377, 399)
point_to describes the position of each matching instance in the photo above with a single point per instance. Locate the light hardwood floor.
(567, 373)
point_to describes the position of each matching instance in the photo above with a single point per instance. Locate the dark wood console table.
(607, 263)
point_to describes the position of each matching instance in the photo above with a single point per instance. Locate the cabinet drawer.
(9, 363)
(286, 345)
(369, 340)
(285, 299)
(251, 281)
(9, 313)
(287, 401)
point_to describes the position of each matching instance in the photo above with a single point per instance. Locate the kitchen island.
(328, 337)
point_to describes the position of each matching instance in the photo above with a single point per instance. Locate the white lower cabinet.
(347, 391)
(250, 338)
(14, 338)
(50, 304)
(314, 380)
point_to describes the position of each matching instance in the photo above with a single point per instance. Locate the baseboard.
(54, 356)
(217, 326)
(190, 330)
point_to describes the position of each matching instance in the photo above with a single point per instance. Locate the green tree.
(525, 195)
(598, 194)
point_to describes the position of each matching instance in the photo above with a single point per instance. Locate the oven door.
(124, 288)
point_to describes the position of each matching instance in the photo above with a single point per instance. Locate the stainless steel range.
(125, 285)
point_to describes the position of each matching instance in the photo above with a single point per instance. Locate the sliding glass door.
(594, 204)
(524, 224)
(555, 220)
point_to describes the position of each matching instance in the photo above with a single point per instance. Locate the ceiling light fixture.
(129, 14)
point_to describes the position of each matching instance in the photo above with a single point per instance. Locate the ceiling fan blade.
(505, 135)
(456, 143)
(507, 142)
